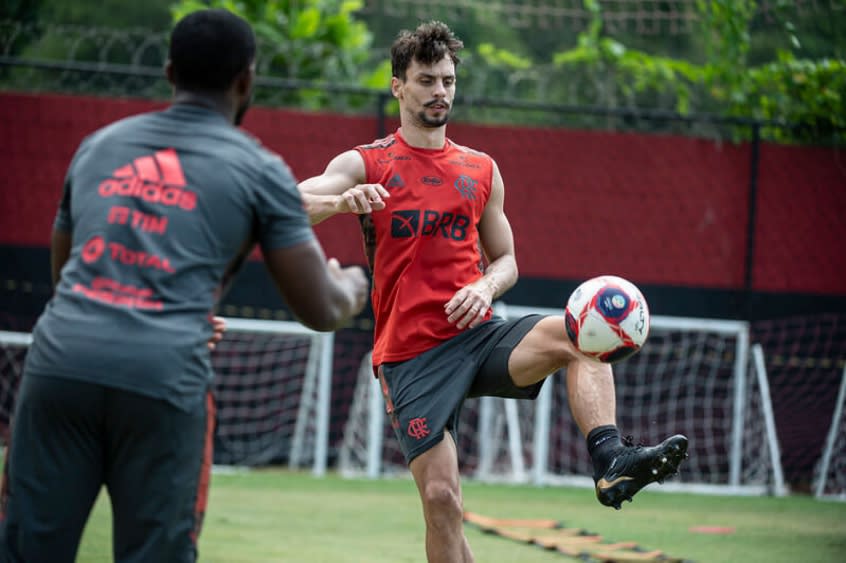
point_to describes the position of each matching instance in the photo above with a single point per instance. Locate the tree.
(808, 96)
(86, 33)
(315, 40)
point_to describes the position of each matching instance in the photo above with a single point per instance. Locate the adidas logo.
(156, 178)
(395, 182)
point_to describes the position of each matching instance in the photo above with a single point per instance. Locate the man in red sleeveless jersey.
(441, 249)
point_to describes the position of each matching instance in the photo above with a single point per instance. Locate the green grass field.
(274, 515)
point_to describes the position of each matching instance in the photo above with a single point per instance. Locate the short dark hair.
(427, 44)
(209, 48)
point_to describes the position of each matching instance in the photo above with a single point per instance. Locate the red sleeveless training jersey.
(424, 246)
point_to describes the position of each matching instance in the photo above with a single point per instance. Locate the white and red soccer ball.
(607, 318)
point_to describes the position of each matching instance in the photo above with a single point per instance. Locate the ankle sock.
(602, 442)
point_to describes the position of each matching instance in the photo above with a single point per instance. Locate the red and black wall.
(670, 213)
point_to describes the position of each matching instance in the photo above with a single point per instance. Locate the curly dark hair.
(427, 44)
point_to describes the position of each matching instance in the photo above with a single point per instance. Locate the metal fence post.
(751, 217)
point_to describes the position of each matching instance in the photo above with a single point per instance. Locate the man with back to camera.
(158, 212)
(427, 204)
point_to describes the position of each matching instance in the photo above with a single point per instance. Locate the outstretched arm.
(470, 304)
(341, 189)
(322, 294)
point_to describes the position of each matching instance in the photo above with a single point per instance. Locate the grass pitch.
(272, 515)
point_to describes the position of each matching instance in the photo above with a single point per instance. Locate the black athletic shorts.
(424, 395)
(69, 438)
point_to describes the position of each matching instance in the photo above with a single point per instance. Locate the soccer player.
(426, 206)
(158, 212)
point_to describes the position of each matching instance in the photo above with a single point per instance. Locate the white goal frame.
(537, 471)
(318, 381)
(740, 329)
(22, 339)
(834, 443)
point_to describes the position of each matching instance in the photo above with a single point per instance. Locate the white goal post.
(272, 391)
(830, 472)
(698, 377)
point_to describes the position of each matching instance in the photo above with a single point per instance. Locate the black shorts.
(69, 438)
(424, 395)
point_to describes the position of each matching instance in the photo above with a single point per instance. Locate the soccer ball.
(607, 318)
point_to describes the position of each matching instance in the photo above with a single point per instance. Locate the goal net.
(272, 390)
(13, 347)
(696, 377)
(271, 387)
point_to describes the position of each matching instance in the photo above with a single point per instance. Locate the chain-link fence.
(636, 17)
(129, 62)
(39, 57)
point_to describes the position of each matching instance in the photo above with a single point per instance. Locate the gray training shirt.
(161, 207)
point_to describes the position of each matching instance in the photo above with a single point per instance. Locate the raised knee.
(543, 351)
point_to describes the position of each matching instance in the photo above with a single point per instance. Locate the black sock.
(602, 442)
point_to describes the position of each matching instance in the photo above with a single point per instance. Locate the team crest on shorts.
(417, 428)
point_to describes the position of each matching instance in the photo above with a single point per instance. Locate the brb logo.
(410, 223)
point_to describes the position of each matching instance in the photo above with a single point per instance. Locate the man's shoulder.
(469, 151)
(121, 126)
(469, 158)
(257, 157)
(233, 148)
(378, 144)
(111, 135)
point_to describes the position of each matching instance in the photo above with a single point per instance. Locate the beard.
(432, 122)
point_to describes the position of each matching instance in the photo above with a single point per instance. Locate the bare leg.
(619, 471)
(590, 384)
(437, 478)
(590, 393)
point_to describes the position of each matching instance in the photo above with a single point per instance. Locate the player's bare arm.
(341, 189)
(470, 304)
(323, 296)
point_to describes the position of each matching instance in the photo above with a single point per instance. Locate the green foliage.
(502, 58)
(782, 63)
(635, 73)
(19, 10)
(114, 14)
(725, 25)
(811, 94)
(108, 32)
(316, 40)
(806, 95)
(102, 32)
